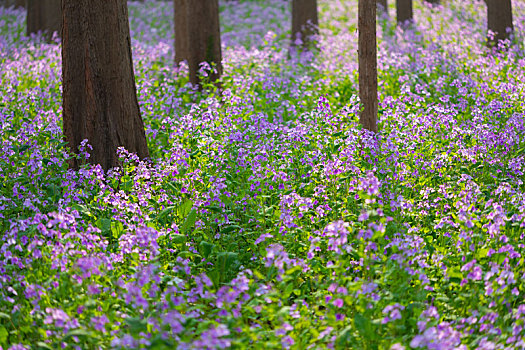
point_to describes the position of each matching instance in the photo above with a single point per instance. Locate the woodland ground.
(267, 218)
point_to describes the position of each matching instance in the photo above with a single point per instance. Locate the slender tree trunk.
(368, 63)
(198, 36)
(44, 16)
(99, 93)
(305, 21)
(405, 14)
(499, 20)
(383, 6)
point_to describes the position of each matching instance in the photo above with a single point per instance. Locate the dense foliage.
(267, 218)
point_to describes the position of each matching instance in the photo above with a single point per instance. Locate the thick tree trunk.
(405, 14)
(198, 36)
(305, 21)
(44, 16)
(368, 63)
(99, 93)
(499, 20)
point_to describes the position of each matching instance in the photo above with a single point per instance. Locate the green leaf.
(227, 261)
(77, 333)
(104, 224)
(81, 209)
(172, 186)
(364, 326)
(136, 325)
(116, 228)
(164, 214)
(186, 254)
(214, 208)
(344, 337)
(23, 148)
(3, 335)
(189, 223)
(229, 229)
(288, 290)
(5, 316)
(205, 248)
(455, 272)
(185, 208)
(178, 239)
(42, 345)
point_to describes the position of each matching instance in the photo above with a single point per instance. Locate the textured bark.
(99, 93)
(368, 63)
(198, 36)
(44, 16)
(405, 13)
(499, 20)
(305, 21)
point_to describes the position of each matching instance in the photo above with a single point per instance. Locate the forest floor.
(267, 218)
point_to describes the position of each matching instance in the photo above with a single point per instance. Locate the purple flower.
(338, 302)
(287, 342)
(397, 346)
(99, 323)
(56, 317)
(17, 347)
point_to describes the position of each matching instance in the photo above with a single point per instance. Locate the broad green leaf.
(205, 248)
(77, 333)
(229, 229)
(3, 335)
(189, 223)
(104, 224)
(178, 239)
(42, 345)
(226, 261)
(164, 214)
(363, 325)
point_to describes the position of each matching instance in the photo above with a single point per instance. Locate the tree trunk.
(198, 36)
(433, 2)
(382, 6)
(44, 16)
(405, 14)
(305, 21)
(99, 93)
(499, 20)
(368, 63)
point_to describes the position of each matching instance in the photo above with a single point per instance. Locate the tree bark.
(99, 93)
(405, 13)
(305, 22)
(499, 20)
(198, 36)
(44, 16)
(367, 63)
